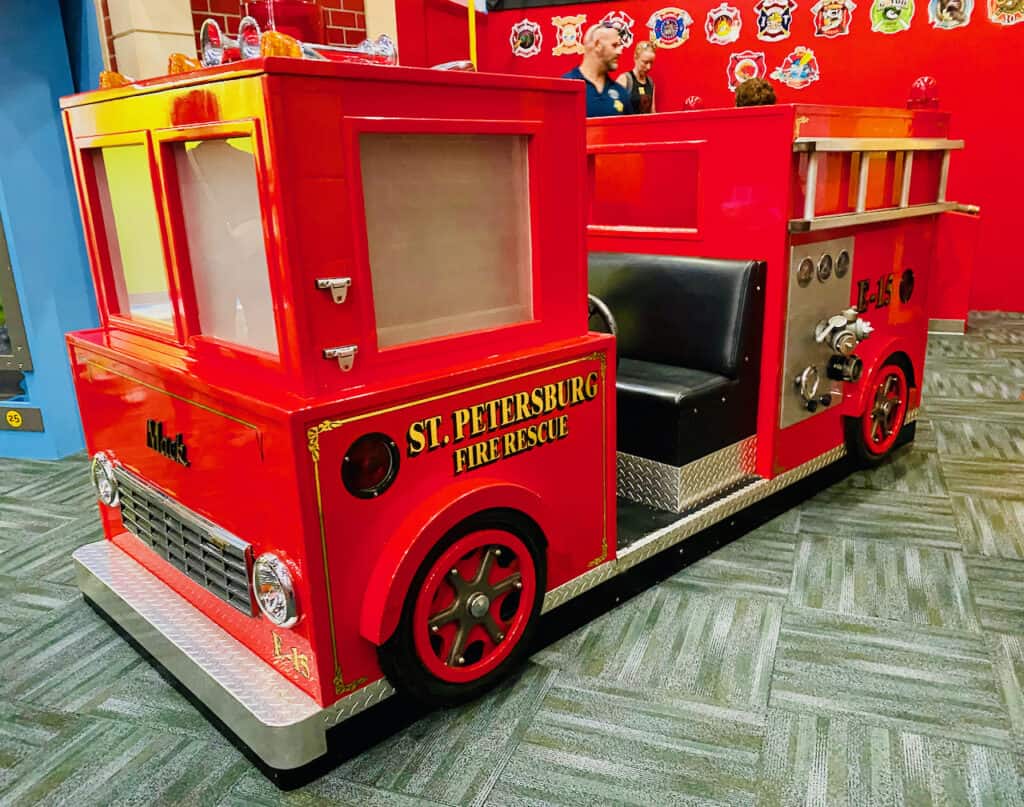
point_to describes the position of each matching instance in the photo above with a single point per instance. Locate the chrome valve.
(843, 332)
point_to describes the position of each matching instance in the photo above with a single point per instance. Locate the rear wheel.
(469, 615)
(872, 436)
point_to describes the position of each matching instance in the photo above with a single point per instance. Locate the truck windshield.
(125, 186)
(221, 208)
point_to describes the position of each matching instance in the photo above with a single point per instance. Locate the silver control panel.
(819, 285)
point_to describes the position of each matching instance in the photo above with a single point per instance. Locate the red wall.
(976, 67)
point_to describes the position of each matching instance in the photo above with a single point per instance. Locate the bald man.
(602, 47)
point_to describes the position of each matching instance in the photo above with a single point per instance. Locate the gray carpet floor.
(866, 647)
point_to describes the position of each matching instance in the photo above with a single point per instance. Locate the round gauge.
(842, 264)
(805, 272)
(825, 268)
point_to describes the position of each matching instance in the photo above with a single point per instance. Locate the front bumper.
(279, 722)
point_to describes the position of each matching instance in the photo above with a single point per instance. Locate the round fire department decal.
(525, 39)
(774, 19)
(891, 16)
(723, 25)
(832, 18)
(798, 70)
(568, 34)
(949, 14)
(745, 65)
(1006, 12)
(670, 27)
(621, 21)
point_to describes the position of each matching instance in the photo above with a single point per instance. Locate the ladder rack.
(815, 146)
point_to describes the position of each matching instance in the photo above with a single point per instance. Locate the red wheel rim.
(474, 605)
(883, 419)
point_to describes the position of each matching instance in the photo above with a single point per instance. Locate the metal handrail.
(846, 144)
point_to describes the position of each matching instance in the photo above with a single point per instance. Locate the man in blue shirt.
(602, 47)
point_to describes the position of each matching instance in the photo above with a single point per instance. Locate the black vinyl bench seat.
(689, 347)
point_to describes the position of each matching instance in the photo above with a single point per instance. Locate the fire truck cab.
(351, 429)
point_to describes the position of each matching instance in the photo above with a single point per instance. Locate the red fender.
(857, 399)
(420, 532)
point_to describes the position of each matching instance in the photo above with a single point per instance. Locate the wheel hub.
(477, 604)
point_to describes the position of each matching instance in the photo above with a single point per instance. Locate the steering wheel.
(597, 307)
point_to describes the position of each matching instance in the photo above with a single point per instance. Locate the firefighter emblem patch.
(832, 18)
(745, 65)
(568, 34)
(774, 19)
(798, 70)
(1006, 12)
(525, 39)
(723, 24)
(891, 16)
(621, 21)
(670, 27)
(949, 14)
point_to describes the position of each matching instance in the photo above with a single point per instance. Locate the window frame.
(430, 350)
(194, 339)
(697, 147)
(95, 227)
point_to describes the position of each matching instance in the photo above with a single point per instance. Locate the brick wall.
(344, 20)
(108, 36)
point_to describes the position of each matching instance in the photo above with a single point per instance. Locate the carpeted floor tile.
(595, 744)
(985, 477)
(909, 677)
(998, 588)
(759, 564)
(910, 472)
(842, 762)
(867, 513)
(453, 756)
(991, 527)
(980, 440)
(683, 639)
(884, 579)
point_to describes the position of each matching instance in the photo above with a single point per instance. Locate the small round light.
(104, 481)
(370, 465)
(272, 584)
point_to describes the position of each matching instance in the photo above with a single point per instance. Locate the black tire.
(861, 453)
(398, 656)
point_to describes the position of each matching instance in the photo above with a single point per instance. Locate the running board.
(690, 524)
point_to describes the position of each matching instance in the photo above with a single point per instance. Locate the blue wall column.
(40, 213)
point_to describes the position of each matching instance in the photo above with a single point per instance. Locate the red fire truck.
(351, 431)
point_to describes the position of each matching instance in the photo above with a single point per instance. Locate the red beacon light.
(924, 94)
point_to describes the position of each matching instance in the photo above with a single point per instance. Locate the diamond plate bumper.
(280, 723)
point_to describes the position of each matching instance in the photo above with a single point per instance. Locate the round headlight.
(272, 583)
(104, 481)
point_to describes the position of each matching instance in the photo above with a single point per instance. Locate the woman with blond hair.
(637, 81)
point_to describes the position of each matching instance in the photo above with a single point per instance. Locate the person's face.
(644, 62)
(608, 48)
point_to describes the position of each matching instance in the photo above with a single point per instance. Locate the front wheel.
(875, 433)
(469, 615)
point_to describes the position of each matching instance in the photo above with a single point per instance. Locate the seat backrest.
(686, 312)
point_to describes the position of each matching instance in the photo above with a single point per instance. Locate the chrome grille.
(214, 558)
